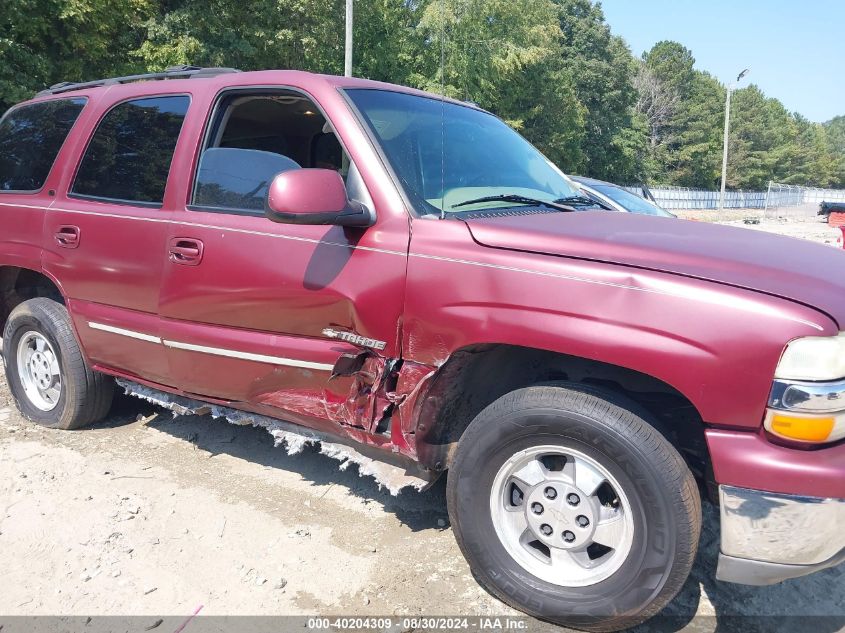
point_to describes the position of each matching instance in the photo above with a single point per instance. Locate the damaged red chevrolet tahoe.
(407, 280)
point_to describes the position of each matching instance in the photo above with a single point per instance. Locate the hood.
(795, 269)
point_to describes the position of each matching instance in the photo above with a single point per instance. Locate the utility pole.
(731, 86)
(347, 56)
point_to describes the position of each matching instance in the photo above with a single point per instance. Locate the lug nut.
(573, 499)
(547, 529)
(550, 493)
(537, 508)
(582, 521)
(568, 536)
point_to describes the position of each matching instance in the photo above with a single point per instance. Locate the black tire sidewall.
(18, 326)
(644, 573)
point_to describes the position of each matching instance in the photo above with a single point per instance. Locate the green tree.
(253, 35)
(698, 142)
(834, 131)
(683, 109)
(672, 64)
(506, 56)
(601, 68)
(388, 46)
(762, 141)
(551, 68)
(43, 42)
(811, 158)
(477, 46)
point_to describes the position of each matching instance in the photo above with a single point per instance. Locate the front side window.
(129, 155)
(445, 153)
(253, 136)
(30, 139)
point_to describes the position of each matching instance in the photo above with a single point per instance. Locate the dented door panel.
(260, 301)
(266, 291)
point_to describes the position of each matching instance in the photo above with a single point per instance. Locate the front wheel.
(572, 508)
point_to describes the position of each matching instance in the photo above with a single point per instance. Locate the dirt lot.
(808, 227)
(147, 514)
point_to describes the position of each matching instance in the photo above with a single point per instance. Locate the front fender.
(718, 345)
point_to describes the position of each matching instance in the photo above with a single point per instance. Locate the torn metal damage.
(384, 389)
(293, 437)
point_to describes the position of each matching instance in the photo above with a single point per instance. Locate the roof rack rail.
(172, 72)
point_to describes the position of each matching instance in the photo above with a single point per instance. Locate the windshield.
(445, 153)
(630, 201)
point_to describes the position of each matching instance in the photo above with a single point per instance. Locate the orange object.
(805, 429)
(836, 218)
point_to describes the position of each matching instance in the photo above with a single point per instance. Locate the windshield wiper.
(584, 200)
(517, 199)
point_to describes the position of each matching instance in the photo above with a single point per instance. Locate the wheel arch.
(466, 384)
(18, 284)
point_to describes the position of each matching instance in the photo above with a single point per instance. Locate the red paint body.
(705, 309)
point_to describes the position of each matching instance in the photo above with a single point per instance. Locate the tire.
(62, 392)
(649, 527)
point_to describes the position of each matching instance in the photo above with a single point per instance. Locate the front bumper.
(770, 537)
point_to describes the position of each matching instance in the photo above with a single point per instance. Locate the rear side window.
(30, 139)
(129, 155)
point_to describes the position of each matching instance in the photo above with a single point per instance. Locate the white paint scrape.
(293, 437)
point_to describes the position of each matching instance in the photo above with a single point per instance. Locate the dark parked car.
(305, 253)
(618, 198)
(826, 208)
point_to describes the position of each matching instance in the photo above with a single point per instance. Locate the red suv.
(403, 277)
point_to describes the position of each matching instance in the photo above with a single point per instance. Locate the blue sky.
(795, 49)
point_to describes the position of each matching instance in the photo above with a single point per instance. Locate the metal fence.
(802, 200)
(780, 195)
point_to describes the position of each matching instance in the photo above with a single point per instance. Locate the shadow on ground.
(128, 409)
(813, 604)
(418, 510)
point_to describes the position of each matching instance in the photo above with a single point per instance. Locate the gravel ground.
(146, 514)
(812, 227)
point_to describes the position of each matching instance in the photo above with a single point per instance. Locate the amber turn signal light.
(803, 428)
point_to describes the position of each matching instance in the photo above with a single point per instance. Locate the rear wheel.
(47, 374)
(569, 506)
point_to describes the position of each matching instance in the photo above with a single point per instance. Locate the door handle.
(185, 250)
(68, 236)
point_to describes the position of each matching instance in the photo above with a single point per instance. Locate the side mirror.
(313, 196)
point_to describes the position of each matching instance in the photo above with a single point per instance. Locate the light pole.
(347, 52)
(727, 130)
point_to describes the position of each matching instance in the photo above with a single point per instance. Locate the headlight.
(807, 402)
(811, 412)
(813, 358)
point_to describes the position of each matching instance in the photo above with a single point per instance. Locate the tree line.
(551, 68)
